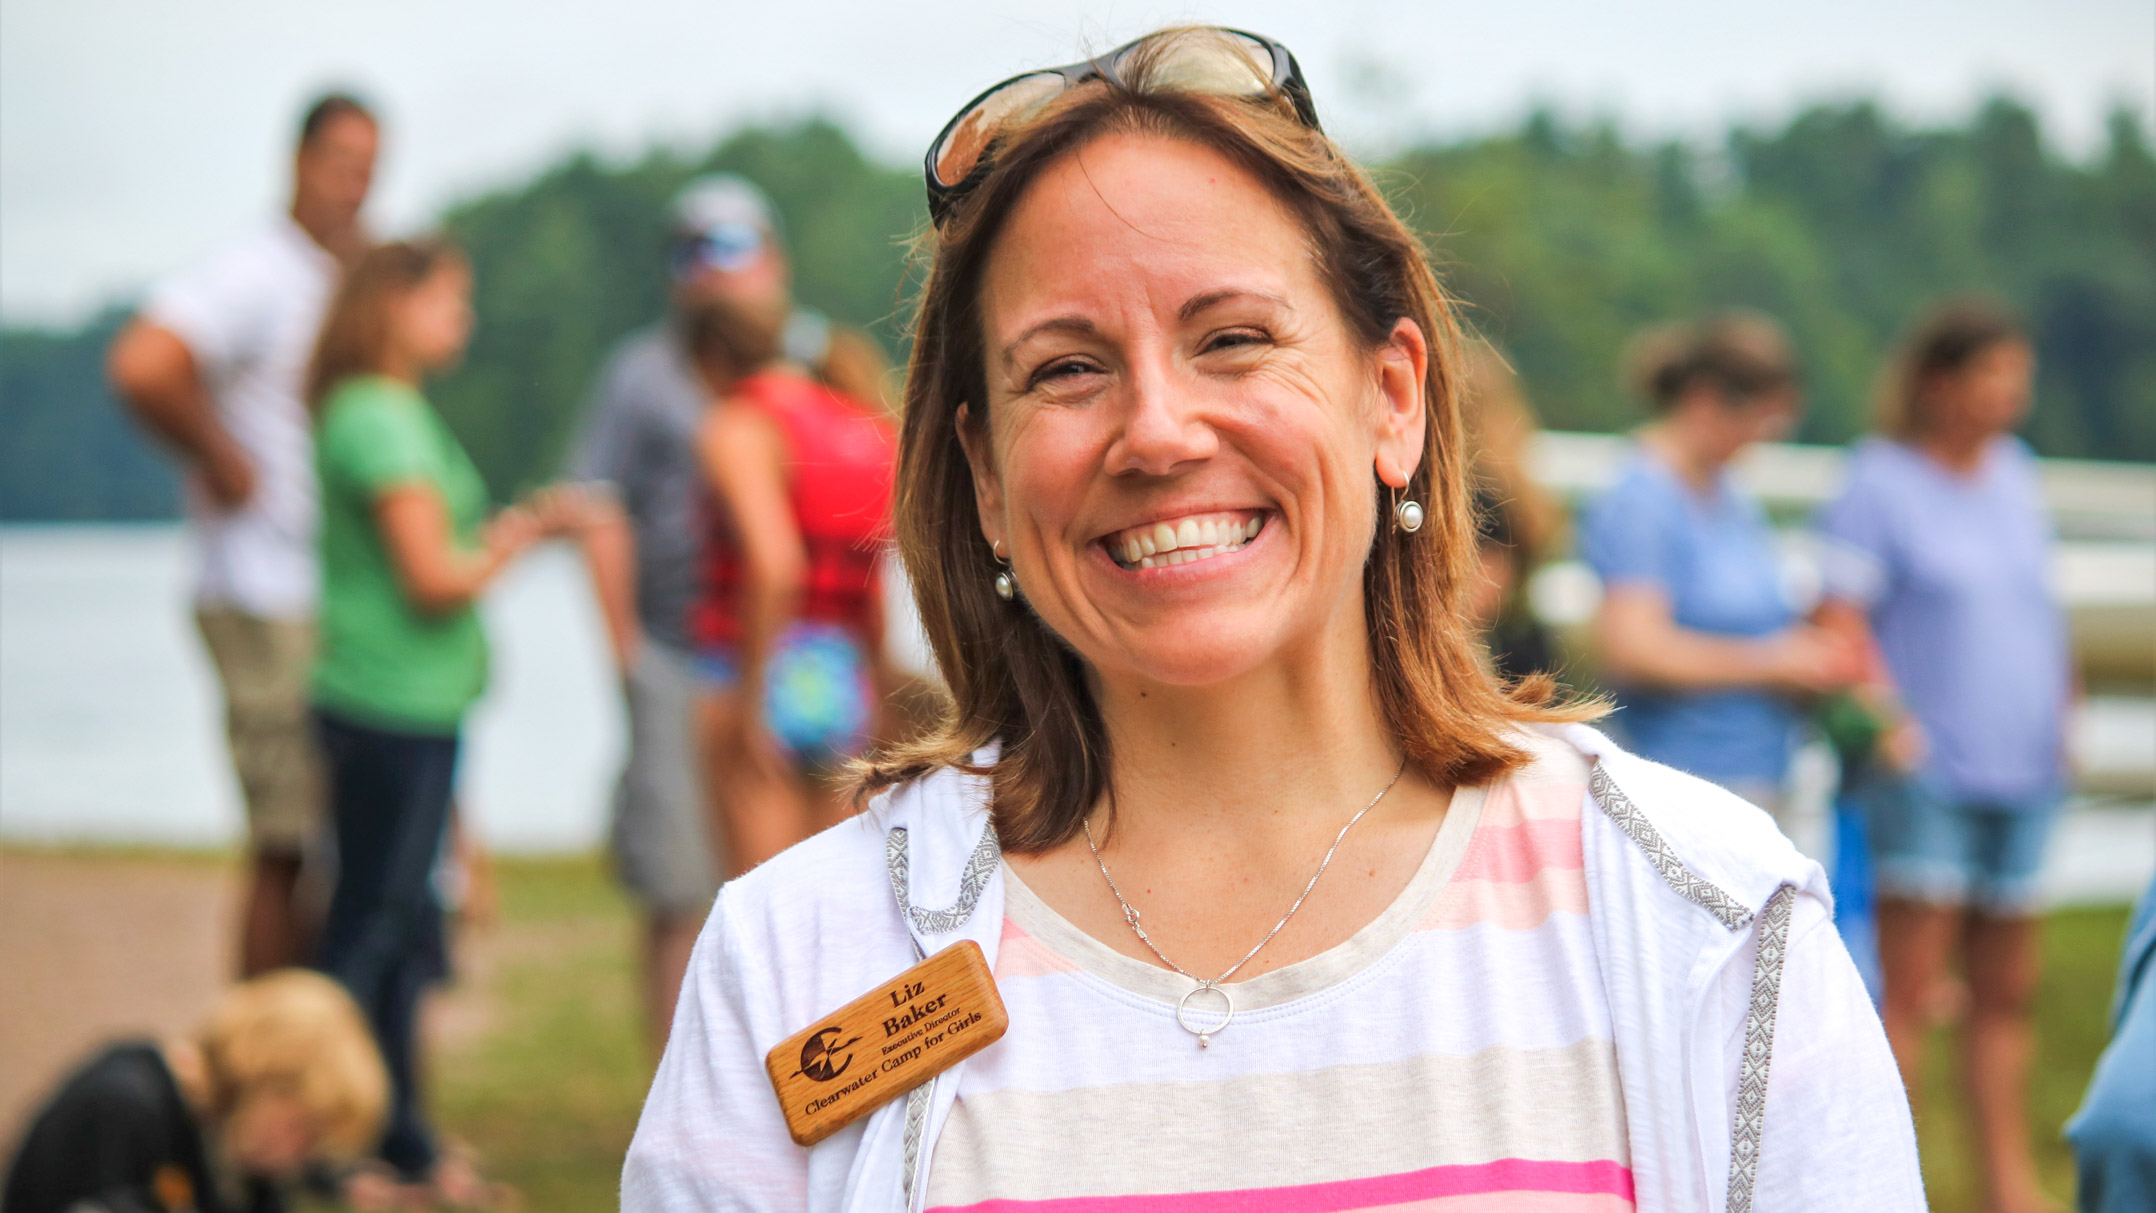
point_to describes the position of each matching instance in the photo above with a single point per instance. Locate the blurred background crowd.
(534, 560)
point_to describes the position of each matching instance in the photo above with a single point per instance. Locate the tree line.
(1561, 241)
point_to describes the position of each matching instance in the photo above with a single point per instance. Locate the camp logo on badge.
(818, 1054)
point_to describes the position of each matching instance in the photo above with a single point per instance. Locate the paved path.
(96, 947)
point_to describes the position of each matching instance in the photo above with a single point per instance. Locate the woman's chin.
(1193, 654)
(1191, 634)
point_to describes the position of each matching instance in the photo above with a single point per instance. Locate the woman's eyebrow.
(1082, 326)
(1197, 304)
(1070, 323)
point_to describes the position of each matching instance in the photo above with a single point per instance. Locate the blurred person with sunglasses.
(1291, 903)
(212, 365)
(644, 545)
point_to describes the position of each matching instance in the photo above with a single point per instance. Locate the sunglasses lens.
(961, 150)
(1217, 62)
(725, 247)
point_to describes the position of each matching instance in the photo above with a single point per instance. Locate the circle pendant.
(1204, 1033)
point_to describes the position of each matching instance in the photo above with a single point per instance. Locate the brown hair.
(1742, 355)
(1012, 680)
(298, 1033)
(327, 109)
(1944, 340)
(355, 330)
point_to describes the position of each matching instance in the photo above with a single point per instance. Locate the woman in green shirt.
(407, 547)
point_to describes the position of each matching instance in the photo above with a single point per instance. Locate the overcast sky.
(134, 134)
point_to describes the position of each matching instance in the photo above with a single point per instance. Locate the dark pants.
(389, 796)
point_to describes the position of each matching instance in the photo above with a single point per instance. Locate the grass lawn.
(549, 1082)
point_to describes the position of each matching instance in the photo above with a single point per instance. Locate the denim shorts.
(1932, 848)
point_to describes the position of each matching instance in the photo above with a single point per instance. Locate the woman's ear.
(987, 486)
(1403, 363)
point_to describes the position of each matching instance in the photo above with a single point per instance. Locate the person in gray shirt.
(637, 451)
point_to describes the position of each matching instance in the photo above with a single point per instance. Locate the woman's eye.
(1061, 368)
(1236, 339)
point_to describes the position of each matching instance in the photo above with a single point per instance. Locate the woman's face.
(1989, 394)
(1724, 427)
(431, 322)
(1183, 435)
(1765, 418)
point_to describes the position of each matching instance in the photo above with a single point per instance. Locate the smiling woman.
(1290, 904)
(1126, 338)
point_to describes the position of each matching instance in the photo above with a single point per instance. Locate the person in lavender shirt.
(1939, 544)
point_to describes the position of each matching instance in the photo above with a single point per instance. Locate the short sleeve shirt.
(1954, 572)
(640, 437)
(383, 660)
(249, 313)
(1713, 555)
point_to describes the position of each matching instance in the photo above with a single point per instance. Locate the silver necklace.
(1205, 1034)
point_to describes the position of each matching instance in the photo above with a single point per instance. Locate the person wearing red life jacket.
(789, 625)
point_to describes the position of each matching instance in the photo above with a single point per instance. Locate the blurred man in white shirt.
(213, 365)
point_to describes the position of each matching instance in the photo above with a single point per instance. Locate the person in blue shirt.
(1695, 631)
(2113, 1135)
(1939, 546)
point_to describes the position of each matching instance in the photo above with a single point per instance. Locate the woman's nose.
(1162, 430)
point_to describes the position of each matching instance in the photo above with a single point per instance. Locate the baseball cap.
(721, 222)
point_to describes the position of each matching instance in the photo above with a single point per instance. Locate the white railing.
(2089, 500)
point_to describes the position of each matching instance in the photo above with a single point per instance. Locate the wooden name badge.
(887, 1042)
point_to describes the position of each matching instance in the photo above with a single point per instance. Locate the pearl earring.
(1406, 515)
(1006, 584)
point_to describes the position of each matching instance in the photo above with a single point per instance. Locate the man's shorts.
(1929, 847)
(661, 840)
(265, 666)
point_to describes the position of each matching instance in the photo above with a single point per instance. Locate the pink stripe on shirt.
(1409, 1190)
(1517, 1202)
(1507, 905)
(1521, 852)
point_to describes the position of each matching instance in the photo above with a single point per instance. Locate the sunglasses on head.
(1217, 61)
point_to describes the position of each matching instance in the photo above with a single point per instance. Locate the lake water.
(109, 728)
(109, 717)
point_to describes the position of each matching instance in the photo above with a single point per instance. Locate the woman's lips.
(1184, 540)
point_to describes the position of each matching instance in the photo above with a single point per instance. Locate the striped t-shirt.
(1454, 1054)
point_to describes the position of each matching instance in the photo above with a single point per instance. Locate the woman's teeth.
(1199, 537)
